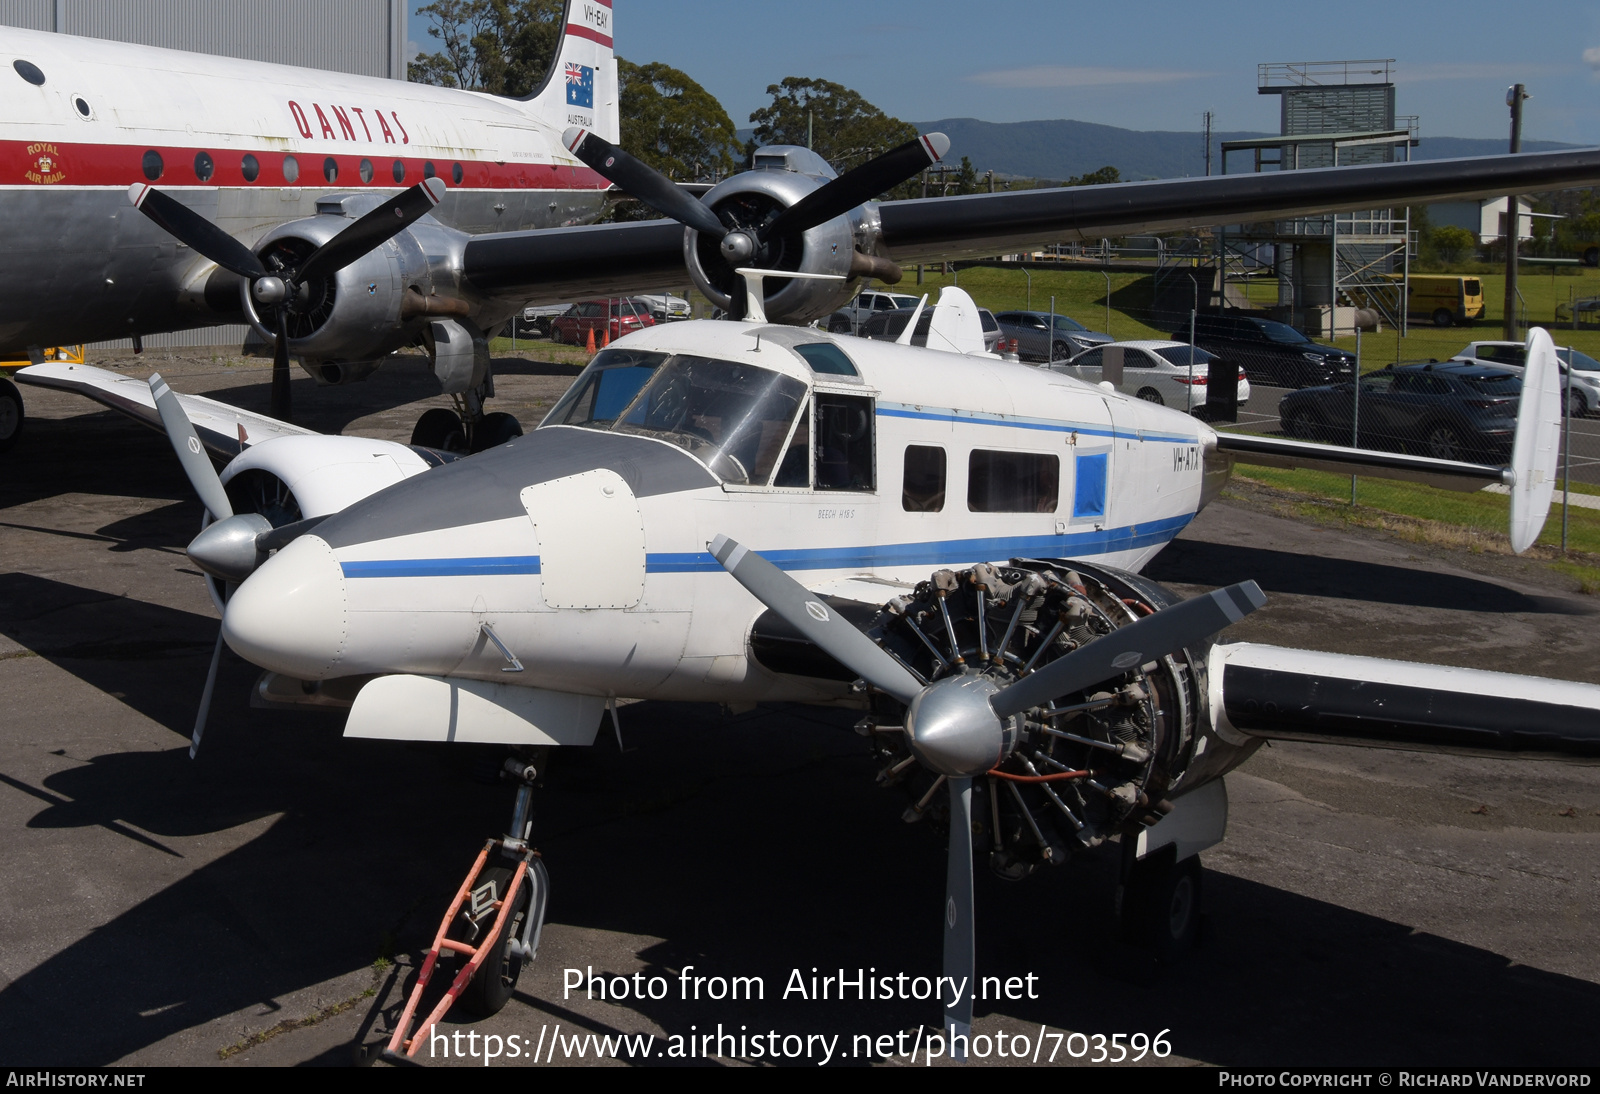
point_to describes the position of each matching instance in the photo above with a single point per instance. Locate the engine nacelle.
(844, 246)
(343, 324)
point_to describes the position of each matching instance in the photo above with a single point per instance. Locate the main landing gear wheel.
(440, 428)
(10, 414)
(487, 993)
(495, 429)
(1161, 905)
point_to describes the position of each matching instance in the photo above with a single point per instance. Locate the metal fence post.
(1355, 413)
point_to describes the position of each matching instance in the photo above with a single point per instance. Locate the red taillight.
(1198, 381)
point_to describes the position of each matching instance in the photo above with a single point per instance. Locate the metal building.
(1332, 114)
(363, 37)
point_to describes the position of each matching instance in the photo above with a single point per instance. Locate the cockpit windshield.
(733, 417)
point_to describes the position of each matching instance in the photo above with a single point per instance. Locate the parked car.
(1158, 372)
(536, 318)
(1450, 410)
(1580, 373)
(616, 317)
(1270, 352)
(1041, 336)
(886, 326)
(666, 309)
(848, 319)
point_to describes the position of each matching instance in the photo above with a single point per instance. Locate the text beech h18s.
(944, 540)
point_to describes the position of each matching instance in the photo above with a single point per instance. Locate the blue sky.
(1134, 65)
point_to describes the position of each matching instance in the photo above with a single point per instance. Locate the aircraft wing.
(223, 429)
(608, 259)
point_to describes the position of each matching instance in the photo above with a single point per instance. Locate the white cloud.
(1044, 76)
(1591, 57)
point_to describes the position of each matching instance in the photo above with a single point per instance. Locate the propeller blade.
(807, 614)
(191, 453)
(859, 186)
(960, 962)
(1131, 646)
(642, 181)
(281, 408)
(188, 226)
(205, 698)
(373, 230)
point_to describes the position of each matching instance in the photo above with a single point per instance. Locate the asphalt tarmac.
(269, 903)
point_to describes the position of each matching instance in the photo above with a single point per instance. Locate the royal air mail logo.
(46, 165)
(580, 86)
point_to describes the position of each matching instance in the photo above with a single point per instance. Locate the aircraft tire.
(440, 428)
(490, 989)
(495, 429)
(1161, 905)
(11, 415)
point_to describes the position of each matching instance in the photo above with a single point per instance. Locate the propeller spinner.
(281, 287)
(963, 725)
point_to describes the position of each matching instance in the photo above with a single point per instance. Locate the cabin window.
(1012, 482)
(456, 174)
(204, 166)
(844, 442)
(330, 169)
(152, 165)
(366, 170)
(399, 171)
(923, 491)
(794, 470)
(250, 168)
(81, 105)
(1089, 485)
(291, 169)
(29, 71)
(427, 170)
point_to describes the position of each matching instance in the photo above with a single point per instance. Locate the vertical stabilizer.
(581, 87)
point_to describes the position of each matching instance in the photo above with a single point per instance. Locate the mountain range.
(1062, 148)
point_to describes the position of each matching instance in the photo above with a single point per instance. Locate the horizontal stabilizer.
(1308, 456)
(1303, 695)
(223, 429)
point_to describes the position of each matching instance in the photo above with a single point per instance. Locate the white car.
(1581, 382)
(666, 309)
(1156, 371)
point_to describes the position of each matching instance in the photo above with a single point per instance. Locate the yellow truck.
(1446, 299)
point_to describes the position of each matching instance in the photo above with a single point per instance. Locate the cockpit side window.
(844, 442)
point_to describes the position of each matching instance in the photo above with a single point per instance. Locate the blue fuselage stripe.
(866, 556)
(893, 411)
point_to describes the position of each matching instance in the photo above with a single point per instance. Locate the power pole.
(1208, 144)
(1515, 94)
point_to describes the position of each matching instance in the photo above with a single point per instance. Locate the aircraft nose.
(292, 615)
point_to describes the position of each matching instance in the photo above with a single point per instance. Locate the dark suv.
(1269, 352)
(1451, 411)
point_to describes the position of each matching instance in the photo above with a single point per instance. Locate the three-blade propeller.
(282, 287)
(962, 726)
(748, 245)
(233, 544)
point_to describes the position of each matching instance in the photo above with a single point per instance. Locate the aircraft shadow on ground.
(749, 846)
(1197, 562)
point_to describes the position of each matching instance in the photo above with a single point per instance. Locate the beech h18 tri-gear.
(246, 170)
(744, 511)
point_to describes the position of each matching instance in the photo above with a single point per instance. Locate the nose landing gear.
(494, 921)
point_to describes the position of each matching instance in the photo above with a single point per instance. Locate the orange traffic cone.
(589, 348)
(606, 339)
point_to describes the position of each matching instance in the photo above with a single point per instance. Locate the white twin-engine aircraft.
(741, 511)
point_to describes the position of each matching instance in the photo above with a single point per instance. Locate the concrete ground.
(269, 902)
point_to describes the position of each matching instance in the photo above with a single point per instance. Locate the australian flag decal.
(580, 86)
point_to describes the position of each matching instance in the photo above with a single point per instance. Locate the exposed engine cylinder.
(1081, 768)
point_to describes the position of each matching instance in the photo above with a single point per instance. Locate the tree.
(503, 47)
(966, 178)
(674, 124)
(844, 128)
(1095, 178)
(1452, 244)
